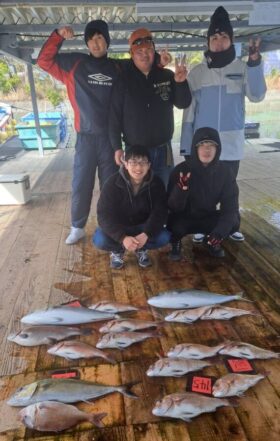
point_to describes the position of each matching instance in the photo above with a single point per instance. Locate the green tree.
(8, 82)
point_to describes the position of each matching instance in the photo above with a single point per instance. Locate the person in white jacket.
(219, 85)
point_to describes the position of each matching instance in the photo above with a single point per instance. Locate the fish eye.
(24, 335)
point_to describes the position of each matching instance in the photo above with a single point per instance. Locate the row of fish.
(41, 397)
(48, 402)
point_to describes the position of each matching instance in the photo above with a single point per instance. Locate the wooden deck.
(37, 269)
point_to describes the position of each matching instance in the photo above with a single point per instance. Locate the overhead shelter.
(179, 25)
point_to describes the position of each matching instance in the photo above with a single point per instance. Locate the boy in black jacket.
(197, 187)
(132, 211)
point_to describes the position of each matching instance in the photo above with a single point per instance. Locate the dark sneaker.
(175, 252)
(198, 238)
(237, 236)
(143, 258)
(216, 251)
(116, 260)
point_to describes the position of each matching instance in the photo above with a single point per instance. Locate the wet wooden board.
(38, 270)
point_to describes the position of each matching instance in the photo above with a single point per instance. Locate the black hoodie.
(118, 207)
(208, 187)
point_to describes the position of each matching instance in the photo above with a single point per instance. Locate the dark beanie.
(99, 26)
(220, 22)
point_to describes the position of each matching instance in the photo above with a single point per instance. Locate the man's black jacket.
(142, 107)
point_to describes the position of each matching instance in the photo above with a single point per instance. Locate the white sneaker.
(75, 235)
(237, 236)
(198, 238)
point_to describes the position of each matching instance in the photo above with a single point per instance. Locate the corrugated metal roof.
(24, 25)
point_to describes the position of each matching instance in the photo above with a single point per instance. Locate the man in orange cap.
(142, 102)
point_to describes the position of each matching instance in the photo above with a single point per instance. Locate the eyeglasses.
(134, 163)
(142, 40)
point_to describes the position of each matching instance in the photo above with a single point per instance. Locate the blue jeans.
(104, 242)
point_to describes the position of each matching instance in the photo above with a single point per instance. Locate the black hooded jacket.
(211, 188)
(118, 207)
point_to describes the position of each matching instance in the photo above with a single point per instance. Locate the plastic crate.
(50, 133)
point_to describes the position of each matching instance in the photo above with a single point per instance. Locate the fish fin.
(160, 354)
(125, 389)
(97, 419)
(57, 319)
(186, 305)
(186, 419)
(51, 341)
(87, 331)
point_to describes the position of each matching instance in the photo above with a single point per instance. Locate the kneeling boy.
(203, 196)
(132, 211)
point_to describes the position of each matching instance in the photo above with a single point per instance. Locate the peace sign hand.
(180, 70)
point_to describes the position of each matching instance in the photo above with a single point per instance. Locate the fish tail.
(158, 315)
(97, 418)
(264, 372)
(110, 359)
(125, 389)
(240, 296)
(233, 402)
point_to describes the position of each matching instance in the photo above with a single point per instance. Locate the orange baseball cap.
(142, 37)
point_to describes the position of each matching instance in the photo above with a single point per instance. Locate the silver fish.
(123, 325)
(225, 313)
(194, 351)
(186, 315)
(74, 350)
(245, 350)
(44, 335)
(65, 390)
(190, 298)
(51, 416)
(187, 405)
(112, 307)
(174, 367)
(66, 315)
(234, 384)
(122, 340)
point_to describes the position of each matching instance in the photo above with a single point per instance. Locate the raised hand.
(165, 57)
(66, 32)
(184, 181)
(180, 70)
(254, 49)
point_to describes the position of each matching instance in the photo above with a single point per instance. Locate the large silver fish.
(234, 384)
(190, 298)
(225, 313)
(123, 325)
(175, 367)
(66, 315)
(44, 335)
(74, 350)
(245, 350)
(122, 340)
(50, 416)
(186, 315)
(112, 307)
(187, 405)
(194, 351)
(66, 390)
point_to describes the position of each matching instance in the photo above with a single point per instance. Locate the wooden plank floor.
(37, 269)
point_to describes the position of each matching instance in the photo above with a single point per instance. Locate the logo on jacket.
(163, 90)
(101, 79)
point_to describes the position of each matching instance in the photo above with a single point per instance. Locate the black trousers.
(179, 224)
